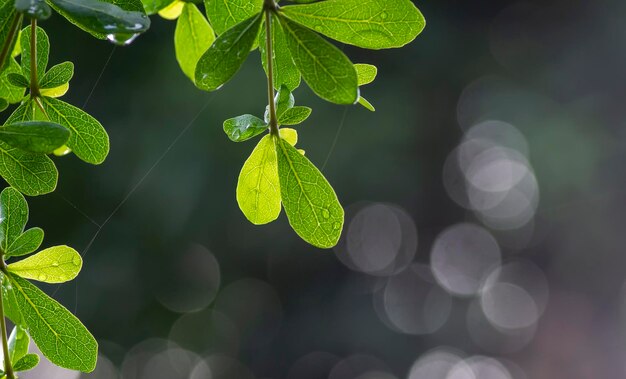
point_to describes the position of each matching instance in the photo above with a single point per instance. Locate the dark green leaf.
(13, 216)
(244, 127)
(35, 136)
(119, 23)
(284, 69)
(327, 70)
(31, 173)
(57, 75)
(29, 361)
(224, 14)
(153, 6)
(88, 139)
(26, 243)
(3, 104)
(372, 24)
(8, 18)
(310, 202)
(37, 9)
(43, 50)
(60, 336)
(18, 343)
(18, 80)
(192, 38)
(224, 58)
(295, 115)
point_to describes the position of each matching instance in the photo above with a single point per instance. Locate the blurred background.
(484, 205)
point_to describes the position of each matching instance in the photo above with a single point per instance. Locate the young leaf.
(56, 91)
(244, 127)
(224, 14)
(327, 70)
(284, 100)
(11, 93)
(295, 115)
(37, 9)
(57, 75)
(120, 22)
(27, 362)
(366, 104)
(285, 71)
(366, 73)
(60, 336)
(34, 136)
(43, 50)
(310, 202)
(13, 216)
(258, 191)
(153, 6)
(289, 135)
(18, 80)
(224, 58)
(26, 243)
(192, 38)
(56, 264)
(88, 139)
(173, 10)
(18, 343)
(371, 24)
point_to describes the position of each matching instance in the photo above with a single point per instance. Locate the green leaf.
(18, 80)
(28, 362)
(153, 6)
(258, 190)
(284, 100)
(11, 93)
(13, 216)
(371, 24)
(366, 104)
(224, 14)
(37, 9)
(289, 135)
(18, 343)
(192, 38)
(3, 104)
(284, 69)
(366, 73)
(7, 18)
(119, 22)
(26, 243)
(57, 75)
(43, 50)
(55, 264)
(34, 136)
(11, 309)
(244, 127)
(224, 58)
(295, 115)
(60, 336)
(327, 70)
(88, 140)
(56, 91)
(31, 173)
(310, 202)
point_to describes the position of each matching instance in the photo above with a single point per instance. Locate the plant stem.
(15, 25)
(34, 84)
(8, 369)
(269, 4)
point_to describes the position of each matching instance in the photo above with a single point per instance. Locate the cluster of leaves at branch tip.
(58, 334)
(211, 51)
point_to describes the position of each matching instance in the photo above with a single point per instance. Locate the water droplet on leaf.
(122, 39)
(325, 213)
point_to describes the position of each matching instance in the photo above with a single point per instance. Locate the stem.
(15, 25)
(8, 369)
(34, 84)
(269, 6)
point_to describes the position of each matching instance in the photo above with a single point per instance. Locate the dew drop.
(55, 264)
(325, 213)
(42, 277)
(383, 15)
(122, 39)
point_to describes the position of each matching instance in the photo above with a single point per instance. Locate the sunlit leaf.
(27, 362)
(310, 202)
(192, 38)
(372, 24)
(295, 115)
(173, 10)
(13, 216)
(366, 73)
(284, 69)
(26, 243)
(43, 50)
(18, 343)
(56, 264)
(224, 14)
(57, 75)
(258, 191)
